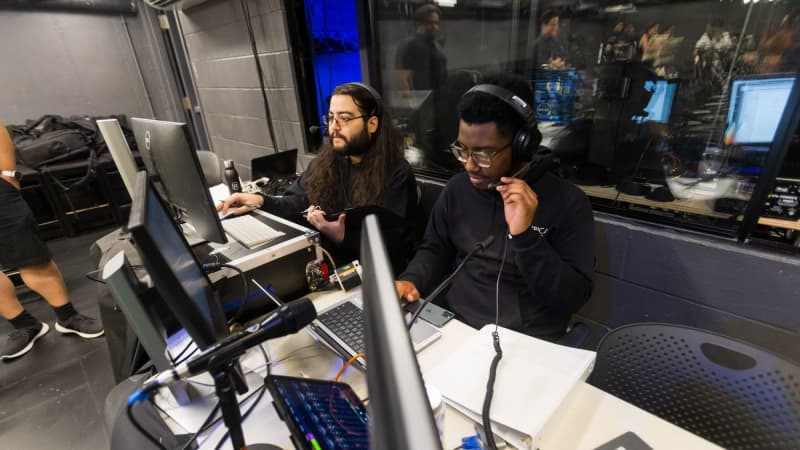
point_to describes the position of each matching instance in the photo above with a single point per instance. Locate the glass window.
(660, 110)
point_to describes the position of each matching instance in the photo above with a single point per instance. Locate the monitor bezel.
(204, 331)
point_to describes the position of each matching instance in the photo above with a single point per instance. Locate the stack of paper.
(533, 378)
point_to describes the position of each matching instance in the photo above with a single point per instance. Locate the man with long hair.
(361, 165)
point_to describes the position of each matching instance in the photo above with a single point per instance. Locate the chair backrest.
(729, 392)
(212, 169)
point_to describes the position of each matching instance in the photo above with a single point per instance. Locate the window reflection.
(666, 106)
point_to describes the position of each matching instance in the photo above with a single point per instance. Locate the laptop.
(275, 166)
(340, 327)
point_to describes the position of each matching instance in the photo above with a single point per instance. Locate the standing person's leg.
(22, 248)
(46, 280)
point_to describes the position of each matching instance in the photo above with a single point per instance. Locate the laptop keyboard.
(346, 321)
(250, 231)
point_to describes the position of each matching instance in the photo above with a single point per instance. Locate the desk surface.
(588, 417)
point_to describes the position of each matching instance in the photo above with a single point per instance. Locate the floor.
(53, 396)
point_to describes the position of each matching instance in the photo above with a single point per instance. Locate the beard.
(358, 145)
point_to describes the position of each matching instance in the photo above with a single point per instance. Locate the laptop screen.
(274, 166)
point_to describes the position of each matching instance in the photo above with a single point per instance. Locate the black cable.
(487, 400)
(246, 292)
(129, 410)
(205, 425)
(260, 70)
(442, 285)
(180, 359)
(261, 390)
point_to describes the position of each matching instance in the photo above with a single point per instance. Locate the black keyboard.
(346, 322)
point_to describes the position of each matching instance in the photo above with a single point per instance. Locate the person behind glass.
(548, 51)
(646, 47)
(420, 63)
(361, 165)
(22, 248)
(543, 228)
(612, 41)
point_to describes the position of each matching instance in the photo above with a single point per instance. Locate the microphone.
(314, 129)
(479, 246)
(288, 319)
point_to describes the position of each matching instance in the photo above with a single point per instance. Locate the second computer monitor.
(755, 109)
(400, 415)
(120, 152)
(172, 163)
(175, 272)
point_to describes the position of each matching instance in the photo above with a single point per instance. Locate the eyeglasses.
(481, 158)
(340, 120)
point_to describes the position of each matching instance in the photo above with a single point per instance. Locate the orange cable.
(349, 361)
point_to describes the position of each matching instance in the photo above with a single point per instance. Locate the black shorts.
(20, 243)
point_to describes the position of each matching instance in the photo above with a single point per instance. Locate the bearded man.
(361, 165)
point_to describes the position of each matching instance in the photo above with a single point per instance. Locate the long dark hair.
(373, 174)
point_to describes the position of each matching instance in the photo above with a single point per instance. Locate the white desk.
(588, 418)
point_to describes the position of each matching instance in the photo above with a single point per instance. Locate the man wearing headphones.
(362, 165)
(538, 268)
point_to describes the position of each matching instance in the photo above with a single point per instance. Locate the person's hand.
(519, 204)
(331, 229)
(406, 290)
(241, 203)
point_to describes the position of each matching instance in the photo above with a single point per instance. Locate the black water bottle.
(232, 177)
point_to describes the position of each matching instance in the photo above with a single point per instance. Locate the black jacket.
(548, 269)
(400, 199)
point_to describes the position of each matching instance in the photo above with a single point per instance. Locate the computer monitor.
(120, 152)
(175, 272)
(659, 107)
(400, 415)
(170, 161)
(755, 109)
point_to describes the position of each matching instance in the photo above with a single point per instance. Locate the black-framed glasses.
(481, 158)
(340, 120)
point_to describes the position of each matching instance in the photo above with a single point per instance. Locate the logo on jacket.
(541, 230)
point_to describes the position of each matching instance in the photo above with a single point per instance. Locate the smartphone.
(433, 314)
(320, 414)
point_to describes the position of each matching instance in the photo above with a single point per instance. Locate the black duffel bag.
(53, 139)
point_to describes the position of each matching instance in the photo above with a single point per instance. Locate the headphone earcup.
(526, 142)
(519, 147)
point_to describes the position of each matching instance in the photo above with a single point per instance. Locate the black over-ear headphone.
(527, 138)
(375, 95)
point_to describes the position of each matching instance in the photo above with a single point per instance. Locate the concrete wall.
(645, 273)
(84, 64)
(226, 77)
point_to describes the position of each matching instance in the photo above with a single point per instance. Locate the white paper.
(533, 378)
(219, 193)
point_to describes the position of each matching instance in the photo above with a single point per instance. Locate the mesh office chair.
(724, 390)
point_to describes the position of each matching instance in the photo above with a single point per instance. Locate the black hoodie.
(548, 268)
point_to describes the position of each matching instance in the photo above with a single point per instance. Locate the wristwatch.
(15, 174)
